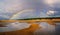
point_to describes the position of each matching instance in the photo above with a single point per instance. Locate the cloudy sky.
(17, 9)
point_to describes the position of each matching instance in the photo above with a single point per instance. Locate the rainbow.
(20, 12)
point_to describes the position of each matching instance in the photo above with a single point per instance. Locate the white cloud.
(50, 12)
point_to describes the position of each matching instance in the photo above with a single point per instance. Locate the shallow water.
(45, 28)
(14, 26)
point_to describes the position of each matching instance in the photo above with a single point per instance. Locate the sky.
(20, 9)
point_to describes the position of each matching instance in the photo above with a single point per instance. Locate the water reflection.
(57, 28)
(14, 26)
(44, 28)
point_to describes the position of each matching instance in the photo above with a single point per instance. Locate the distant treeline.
(40, 18)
